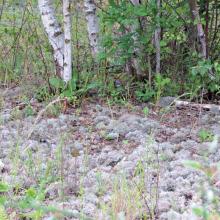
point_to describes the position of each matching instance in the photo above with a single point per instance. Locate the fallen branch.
(207, 107)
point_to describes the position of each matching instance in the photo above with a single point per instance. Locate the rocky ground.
(107, 162)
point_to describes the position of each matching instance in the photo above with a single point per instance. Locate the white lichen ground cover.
(106, 162)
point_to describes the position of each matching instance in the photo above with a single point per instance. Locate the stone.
(166, 101)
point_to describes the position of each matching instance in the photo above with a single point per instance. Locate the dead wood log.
(206, 107)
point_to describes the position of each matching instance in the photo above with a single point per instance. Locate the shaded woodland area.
(114, 42)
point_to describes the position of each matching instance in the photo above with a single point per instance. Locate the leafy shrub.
(205, 135)
(144, 93)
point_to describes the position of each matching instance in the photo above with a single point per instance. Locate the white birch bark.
(67, 65)
(157, 38)
(92, 26)
(54, 32)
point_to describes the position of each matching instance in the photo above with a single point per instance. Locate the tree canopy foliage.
(142, 46)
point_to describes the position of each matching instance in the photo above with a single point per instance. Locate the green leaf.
(31, 192)
(163, 43)
(102, 56)
(73, 84)
(140, 11)
(146, 111)
(3, 199)
(198, 211)
(67, 93)
(4, 187)
(201, 212)
(192, 164)
(56, 83)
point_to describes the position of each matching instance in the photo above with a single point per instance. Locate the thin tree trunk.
(200, 32)
(207, 29)
(215, 19)
(135, 2)
(136, 60)
(67, 73)
(157, 39)
(149, 71)
(2, 8)
(92, 26)
(54, 33)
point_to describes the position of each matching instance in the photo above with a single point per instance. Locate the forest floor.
(106, 162)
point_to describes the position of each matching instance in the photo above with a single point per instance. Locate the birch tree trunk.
(92, 26)
(54, 33)
(157, 38)
(67, 73)
(200, 32)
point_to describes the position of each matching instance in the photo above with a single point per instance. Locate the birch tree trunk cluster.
(60, 35)
(60, 40)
